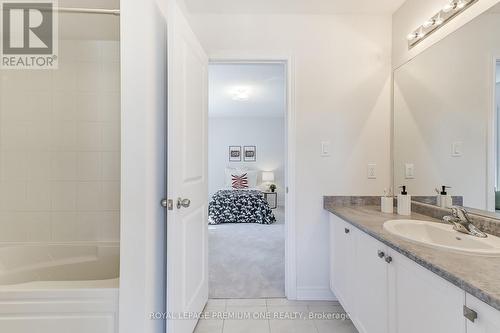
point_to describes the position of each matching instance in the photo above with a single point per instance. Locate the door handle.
(470, 314)
(381, 254)
(183, 203)
(167, 203)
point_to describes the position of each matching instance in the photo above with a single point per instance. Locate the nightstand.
(271, 198)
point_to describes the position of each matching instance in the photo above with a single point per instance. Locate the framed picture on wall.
(234, 153)
(250, 154)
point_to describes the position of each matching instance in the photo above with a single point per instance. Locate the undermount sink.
(443, 236)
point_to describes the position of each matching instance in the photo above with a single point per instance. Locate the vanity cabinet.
(385, 292)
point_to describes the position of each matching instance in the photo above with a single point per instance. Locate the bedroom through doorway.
(246, 179)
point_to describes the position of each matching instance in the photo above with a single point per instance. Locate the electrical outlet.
(409, 171)
(372, 171)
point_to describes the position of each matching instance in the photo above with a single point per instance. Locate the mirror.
(446, 117)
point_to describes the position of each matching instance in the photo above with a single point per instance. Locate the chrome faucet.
(461, 221)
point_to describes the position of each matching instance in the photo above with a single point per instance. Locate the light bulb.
(412, 36)
(439, 20)
(449, 7)
(429, 23)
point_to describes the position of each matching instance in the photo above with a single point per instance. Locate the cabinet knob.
(388, 260)
(346, 230)
(381, 254)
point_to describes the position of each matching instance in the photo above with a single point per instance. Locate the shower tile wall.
(60, 147)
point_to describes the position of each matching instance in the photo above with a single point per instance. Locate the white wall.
(413, 13)
(342, 72)
(144, 67)
(60, 147)
(267, 134)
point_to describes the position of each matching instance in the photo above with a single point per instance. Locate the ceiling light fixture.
(240, 93)
(449, 11)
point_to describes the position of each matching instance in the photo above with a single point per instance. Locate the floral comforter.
(239, 206)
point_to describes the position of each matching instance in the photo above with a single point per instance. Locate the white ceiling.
(294, 6)
(263, 84)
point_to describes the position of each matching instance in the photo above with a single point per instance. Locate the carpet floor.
(247, 260)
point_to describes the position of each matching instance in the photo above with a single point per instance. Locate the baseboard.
(315, 294)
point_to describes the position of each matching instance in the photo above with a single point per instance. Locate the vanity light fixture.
(449, 11)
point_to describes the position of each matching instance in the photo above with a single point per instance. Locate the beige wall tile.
(89, 166)
(60, 148)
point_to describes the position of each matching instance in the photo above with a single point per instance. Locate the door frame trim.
(290, 142)
(491, 133)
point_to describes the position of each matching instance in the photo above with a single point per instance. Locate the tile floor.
(274, 315)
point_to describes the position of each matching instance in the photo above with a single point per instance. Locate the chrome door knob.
(167, 203)
(183, 203)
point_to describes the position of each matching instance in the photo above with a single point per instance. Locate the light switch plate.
(325, 148)
(372, 171)
(409, 171)
(456, 149)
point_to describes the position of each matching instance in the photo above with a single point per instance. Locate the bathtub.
(59, 288)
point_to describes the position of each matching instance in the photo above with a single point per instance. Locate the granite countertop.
(477, 275)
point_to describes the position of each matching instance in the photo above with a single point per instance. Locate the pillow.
(251, 177)
(239, 182)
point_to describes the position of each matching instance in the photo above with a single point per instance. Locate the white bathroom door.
(187, 187)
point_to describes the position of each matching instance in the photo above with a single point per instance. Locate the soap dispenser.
(387, 202)
(444, 200)
(404, 202)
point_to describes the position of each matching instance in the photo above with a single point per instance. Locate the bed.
(240, 201)
(239, 206)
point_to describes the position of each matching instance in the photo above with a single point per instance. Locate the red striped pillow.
(239, 182)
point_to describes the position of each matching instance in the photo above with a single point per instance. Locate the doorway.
(247, 177)
(496, 145)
